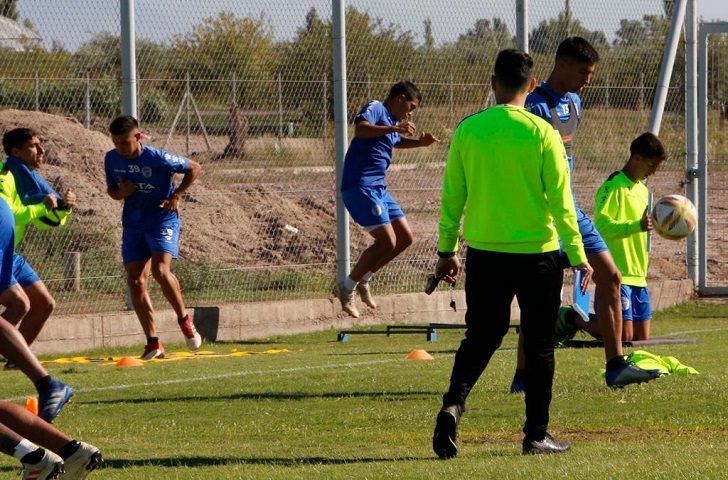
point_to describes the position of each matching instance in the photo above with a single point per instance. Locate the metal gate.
(713, 157)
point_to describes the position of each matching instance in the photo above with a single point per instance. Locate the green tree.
(101, 57)
(429, 38)
(9, 9)
(308, 55)
(224, 46)
(307, 67)
(545, 38)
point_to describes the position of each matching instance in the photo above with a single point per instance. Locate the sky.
(74, 22)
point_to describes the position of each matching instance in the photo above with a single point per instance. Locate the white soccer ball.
(674, 217)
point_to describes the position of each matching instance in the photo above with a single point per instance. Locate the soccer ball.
(674, 217)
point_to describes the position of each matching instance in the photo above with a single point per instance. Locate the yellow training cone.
(419, 355)
(129, 362)
(31, 405)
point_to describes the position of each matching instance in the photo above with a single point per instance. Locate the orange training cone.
(129, 362)
(31, 405)
(419, 355)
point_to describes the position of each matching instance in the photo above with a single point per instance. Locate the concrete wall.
(66, 334)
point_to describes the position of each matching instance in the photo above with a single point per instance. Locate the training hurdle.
(430, 330)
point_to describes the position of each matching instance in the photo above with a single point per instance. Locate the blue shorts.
(23, 272)
(371, 206)
(139, 243)
(592, 239)
(636, 304)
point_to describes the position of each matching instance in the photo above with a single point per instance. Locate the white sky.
(73, 22)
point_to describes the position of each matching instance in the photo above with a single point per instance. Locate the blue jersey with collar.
(151, 173)
(368, 159)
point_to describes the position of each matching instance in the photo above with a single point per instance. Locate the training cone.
(129, 362)
(31, 405)
(419, 355)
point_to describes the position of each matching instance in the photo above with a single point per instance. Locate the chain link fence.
(246, 90)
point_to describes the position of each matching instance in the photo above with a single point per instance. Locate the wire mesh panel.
(717, 158)
(245, 89)
(630, 38)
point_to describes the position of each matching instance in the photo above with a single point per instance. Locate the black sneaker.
(546, 445)
(446, 432)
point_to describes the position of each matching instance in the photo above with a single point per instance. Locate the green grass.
(357, 409)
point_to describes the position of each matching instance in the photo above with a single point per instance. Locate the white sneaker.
(81, 463)
(346, 297)
(193, 339)
(50, 466)
(365, 294)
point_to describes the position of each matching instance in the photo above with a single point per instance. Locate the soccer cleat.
(546, 445)
(565, 326)
(627, 374)
(444, 440)
(50, 466)
(9, 365)
(365, 293)
(82, 462)
(52, 400)
(193, 339)
(346, 297)
(152, 351)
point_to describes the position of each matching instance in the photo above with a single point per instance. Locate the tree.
(429, 39)
(101, 56)
(471, 57)
(545, 38)
(9, 9)
(308, 55)
(224, 46)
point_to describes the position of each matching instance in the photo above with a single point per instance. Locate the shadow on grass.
(273, 396)
(191, 462)
(120, 463)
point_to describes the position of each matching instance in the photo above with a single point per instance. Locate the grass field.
(327, 409)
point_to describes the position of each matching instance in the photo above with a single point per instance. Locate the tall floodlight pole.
(341, 139)
(522, 24)
(128, 59)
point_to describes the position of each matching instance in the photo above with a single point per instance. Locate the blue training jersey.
(368, 159)
(151, 173)
(538, 105)
(7, 244)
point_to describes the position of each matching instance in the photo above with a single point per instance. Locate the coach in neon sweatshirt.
(507, 173)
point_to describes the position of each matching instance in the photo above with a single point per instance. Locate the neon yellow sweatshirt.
(619, 206)
(507, 170)
(24, 214)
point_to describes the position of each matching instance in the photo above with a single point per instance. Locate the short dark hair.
(577, 49)
(513, 69)
(406, 88)
(16, 138)
(648, 145)
(123, 124)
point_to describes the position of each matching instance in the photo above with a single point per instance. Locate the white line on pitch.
(707, 330)
(222, 375)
